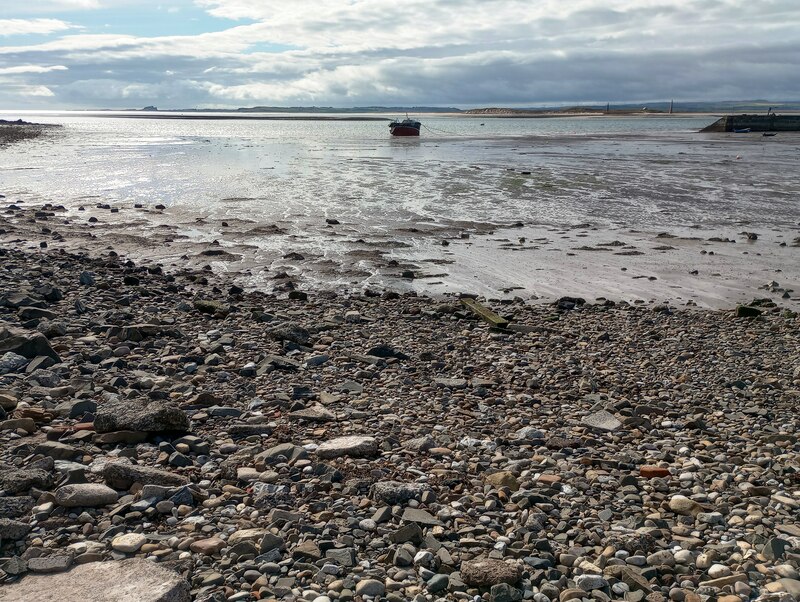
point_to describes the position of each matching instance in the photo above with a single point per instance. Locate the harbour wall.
(756, 123)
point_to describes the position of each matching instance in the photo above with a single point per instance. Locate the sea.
(361, 207)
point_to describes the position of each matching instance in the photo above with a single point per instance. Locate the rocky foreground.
(167, 437)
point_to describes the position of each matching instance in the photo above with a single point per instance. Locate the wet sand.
(681, 267)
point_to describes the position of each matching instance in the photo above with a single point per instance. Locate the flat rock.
(488, 572)
(122, 475)
(419, 516)
(133, 580)
(602, 421)
(90, 495)
(128, 543)
(315, 413)
(135, 415)
(13, 530)
(14, 480)
(352, 446)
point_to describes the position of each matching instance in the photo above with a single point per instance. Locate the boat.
(769, 134)
(741, 130)
(406, 127)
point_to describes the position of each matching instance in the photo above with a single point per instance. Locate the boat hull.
(404, 130)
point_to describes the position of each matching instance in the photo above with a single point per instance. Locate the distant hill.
(349, 110)
(737, 106)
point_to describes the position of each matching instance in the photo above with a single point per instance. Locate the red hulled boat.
(407, 127)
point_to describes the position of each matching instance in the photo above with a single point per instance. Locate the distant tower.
(608, 107)
(671, 102)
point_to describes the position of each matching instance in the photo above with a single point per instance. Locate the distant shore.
(16, 131)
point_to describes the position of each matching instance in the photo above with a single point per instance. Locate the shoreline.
(682, 267)
(198, 429)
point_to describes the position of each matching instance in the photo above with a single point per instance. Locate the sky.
(90, 54)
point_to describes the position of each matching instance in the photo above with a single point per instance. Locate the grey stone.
(438, 583)
(134, 580)
(343, 556)
(58, 451)
(15, 506)
(352, 446)
(370, 587)
(488, 572)
(130, 415)
(590, 582)
(122, 475)
(602, 421)
(315, 413)
(394, 492)
(502, 592)
(26, 343)
(14, 480)
(421, 517)
(88, 495)
(290, 332)
(12, 530)
(50, 564)
(775, 548)
(12, 362)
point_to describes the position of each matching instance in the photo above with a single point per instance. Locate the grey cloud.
(471, 52)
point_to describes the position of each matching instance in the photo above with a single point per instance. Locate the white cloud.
(455, 52)
(26, 90)
(30, 69)
(11, 27)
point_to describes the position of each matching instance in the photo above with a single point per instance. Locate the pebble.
(603, 452)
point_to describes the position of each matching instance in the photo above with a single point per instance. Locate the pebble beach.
(166, 435)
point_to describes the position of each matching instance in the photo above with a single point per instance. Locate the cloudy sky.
(218, 53)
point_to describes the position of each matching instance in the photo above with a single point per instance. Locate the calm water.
(636, 173)
(626, 171)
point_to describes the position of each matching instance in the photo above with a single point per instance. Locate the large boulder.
(133, 580)
(29, 344)
(137, 415)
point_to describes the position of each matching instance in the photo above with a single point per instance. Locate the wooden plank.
(484, 313)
